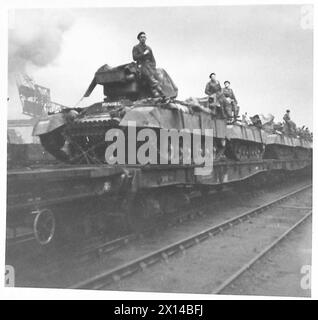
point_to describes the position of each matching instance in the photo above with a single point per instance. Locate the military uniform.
(286, 117)
(147, 65)
(290, 126)
(287, 126)
(214, 91)
(229, 95)
(212, 87)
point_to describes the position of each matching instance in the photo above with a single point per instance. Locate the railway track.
(112, 245)
(101, 247)
(16, 241)
(96, 248)
(125, 270)
(225, 284)
(107, 247)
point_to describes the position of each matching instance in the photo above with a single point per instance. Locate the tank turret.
(126, 82)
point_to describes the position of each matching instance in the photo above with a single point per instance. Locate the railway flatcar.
(23, 154)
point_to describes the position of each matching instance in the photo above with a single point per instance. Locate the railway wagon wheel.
(143, 212)
(44, 226)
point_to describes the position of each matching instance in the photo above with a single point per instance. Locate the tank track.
(242, 150)
(83, 142)
(87, 141)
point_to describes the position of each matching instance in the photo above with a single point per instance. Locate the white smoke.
(35, 41)
(36, 38)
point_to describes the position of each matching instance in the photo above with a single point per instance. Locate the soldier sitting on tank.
(307, 134)
(231, 99)
(146, 63)
(256, 121)
(214, 91)
(245, 120)
(301, 131)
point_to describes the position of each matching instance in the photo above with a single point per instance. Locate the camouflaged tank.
(250, 142)
(245, 142)
(77, 135)
(281, 146)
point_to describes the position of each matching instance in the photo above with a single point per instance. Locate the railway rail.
(98, 247)
(256, 258)
(16, 241)
(125, 270)
(112, 245)
(54, 261)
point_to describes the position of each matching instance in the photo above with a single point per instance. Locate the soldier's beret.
(227, 82)
(211, 74)
(140, 34)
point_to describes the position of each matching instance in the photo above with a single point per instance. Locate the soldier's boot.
(159, 89)
(155, 93)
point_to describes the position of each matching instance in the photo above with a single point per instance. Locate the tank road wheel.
(53, 142)
(219, 149)
(44, 226)
(260, 151)
(238, 152)
(245, 152)
(253, 152)
(166, 156)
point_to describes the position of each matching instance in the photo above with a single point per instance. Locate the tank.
(77, 135)
(281, 146)
(245, 142)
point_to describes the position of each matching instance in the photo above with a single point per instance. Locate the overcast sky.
(264, 51)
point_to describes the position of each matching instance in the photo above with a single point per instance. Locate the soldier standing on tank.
(286, 117)
(287, 120)
(229, 95)
(214, 91)
(146, 62)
